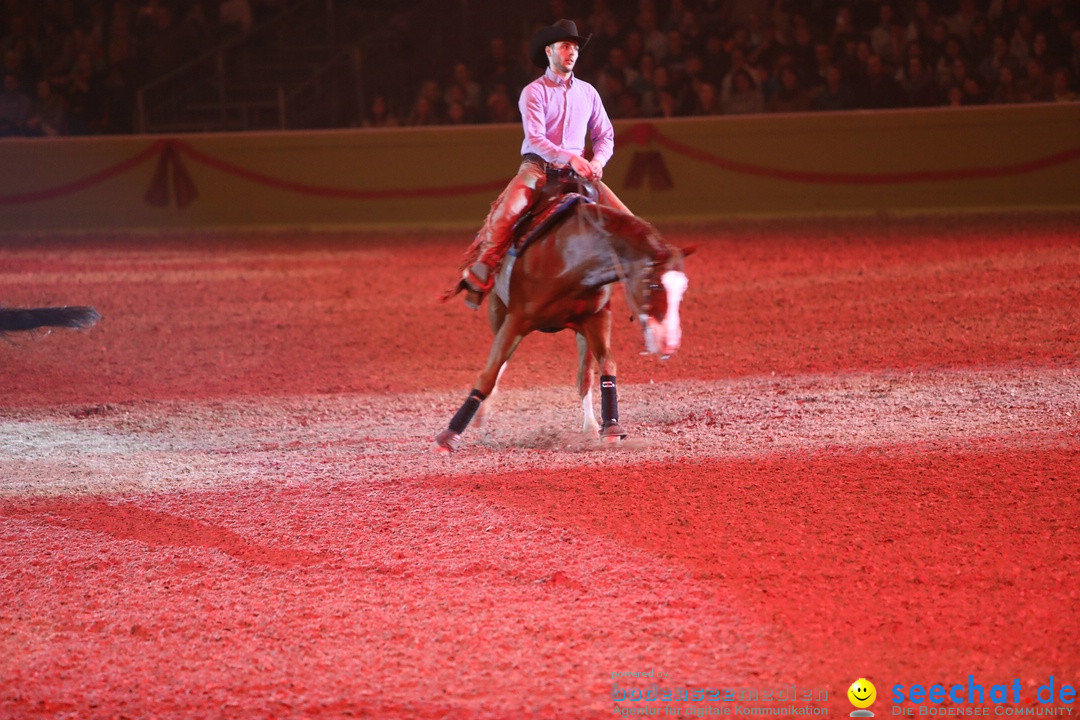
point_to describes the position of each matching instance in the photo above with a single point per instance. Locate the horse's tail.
(12, 319)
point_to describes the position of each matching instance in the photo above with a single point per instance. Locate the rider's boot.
(478, 280)
(480, 276)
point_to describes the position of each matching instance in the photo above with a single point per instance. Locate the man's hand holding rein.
(588, 170)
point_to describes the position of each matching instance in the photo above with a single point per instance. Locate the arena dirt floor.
(222, 501)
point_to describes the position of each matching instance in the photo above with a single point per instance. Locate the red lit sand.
(222, 501)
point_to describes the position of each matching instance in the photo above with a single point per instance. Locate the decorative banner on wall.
(169, 152)
(81, 184)
(183, 186)
(646, 133)
(647, 165)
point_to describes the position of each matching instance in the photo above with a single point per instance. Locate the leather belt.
(553, 172)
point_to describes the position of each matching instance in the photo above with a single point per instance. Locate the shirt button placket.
(566, 112)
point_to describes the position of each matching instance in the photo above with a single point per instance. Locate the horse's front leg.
(496, 316)
(586, 366)
(487, 408)
(597, 332)
(506, 341)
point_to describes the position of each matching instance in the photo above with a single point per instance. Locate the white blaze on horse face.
(674, 283)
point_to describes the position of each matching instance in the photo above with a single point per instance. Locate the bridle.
(650, 280)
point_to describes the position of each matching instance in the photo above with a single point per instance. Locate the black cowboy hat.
(561, 30)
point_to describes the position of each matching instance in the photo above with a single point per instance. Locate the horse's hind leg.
(586, 368)
(597, 332)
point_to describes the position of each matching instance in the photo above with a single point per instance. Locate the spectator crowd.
(668, 58)
(72, 66)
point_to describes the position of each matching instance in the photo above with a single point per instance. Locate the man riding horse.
(564, 280)
(558, 110)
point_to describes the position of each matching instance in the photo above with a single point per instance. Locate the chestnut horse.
(564, 280)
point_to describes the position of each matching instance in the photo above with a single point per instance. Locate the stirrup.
(473, 280)
(475, 288)
(473, 298)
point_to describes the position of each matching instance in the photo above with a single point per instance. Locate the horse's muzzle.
(661, 338)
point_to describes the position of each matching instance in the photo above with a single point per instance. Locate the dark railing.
(254, 81)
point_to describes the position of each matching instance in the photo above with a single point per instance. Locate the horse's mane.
(638, 233)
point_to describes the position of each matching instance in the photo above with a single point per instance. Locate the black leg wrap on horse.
(465, 413)
(609, 400)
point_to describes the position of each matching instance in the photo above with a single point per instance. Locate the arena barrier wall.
(987, 158)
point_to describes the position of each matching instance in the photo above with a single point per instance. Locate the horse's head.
(655, 297)
(654, 284)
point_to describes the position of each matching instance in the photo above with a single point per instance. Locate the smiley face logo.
(862, 693)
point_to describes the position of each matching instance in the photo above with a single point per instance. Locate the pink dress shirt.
(557, 114)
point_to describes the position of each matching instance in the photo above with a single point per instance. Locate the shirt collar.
(555, 79)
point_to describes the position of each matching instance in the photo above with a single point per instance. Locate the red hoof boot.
(447, 442)
(612, 433)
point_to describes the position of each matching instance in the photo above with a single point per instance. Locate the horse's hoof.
(612, 433)
(447, 442)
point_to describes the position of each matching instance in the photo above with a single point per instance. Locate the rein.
(642, 311)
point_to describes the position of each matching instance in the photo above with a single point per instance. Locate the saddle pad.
(542, 222)
(502, 279)
(530, 229)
